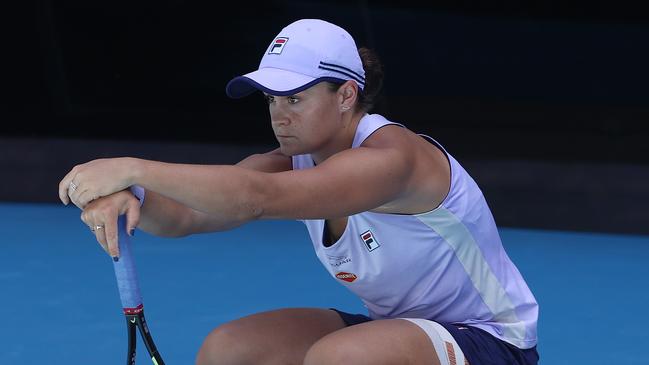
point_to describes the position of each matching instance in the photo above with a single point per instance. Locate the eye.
(293, 99)
(269, 98)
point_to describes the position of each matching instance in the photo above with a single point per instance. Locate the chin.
(288, 150)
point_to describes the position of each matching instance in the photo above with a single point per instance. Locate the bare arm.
(162, 216)
(166, 217)
(389, 173)
(348, 182)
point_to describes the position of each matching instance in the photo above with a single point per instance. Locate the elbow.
(252, 209)
(254, 202)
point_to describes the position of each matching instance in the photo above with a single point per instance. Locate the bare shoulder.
(272, 161)
(393, 135)
(430, 169)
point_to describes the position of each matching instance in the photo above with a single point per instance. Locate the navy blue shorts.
(479, 346)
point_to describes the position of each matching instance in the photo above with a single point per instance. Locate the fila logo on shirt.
(278, 45)
(370, 242)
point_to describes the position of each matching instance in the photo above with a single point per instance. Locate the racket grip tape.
(125, 273)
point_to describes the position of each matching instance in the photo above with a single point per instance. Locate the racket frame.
(136, 321)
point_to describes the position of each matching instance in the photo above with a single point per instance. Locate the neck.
(343, 139)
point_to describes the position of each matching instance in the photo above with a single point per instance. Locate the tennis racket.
(129, 293)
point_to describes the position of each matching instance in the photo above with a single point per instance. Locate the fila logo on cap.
(369, 240)
(278, 45)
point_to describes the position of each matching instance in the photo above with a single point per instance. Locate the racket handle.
(129, 291)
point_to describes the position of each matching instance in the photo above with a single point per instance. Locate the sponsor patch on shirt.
(336, 261)
(346, 276)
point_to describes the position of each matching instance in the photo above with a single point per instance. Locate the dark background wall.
(545, 103)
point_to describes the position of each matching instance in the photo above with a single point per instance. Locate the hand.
(94, 179)
(101, 215)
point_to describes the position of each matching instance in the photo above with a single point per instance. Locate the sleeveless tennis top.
(447, 265)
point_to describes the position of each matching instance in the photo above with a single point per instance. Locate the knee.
(224, 345)
(334, 351)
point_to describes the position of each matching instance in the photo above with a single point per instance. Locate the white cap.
(303, 54)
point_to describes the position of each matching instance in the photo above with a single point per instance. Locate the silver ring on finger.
(72, 186)
(99, 226)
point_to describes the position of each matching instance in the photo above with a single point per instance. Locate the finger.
(88, 217)
(100, 234)
(76, 192)
(74, 199)
(82, 199)
(85, 218)
(64, 186)
(111, 236)
(132, 216)
(72, 196)
(63, 189)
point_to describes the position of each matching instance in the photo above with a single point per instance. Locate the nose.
(278, 116)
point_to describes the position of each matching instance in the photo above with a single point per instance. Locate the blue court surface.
(60, 303)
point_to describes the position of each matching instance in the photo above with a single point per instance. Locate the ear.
(347, 95)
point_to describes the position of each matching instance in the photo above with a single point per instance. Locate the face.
(306, 122)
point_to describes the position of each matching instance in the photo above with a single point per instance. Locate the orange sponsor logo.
(346, 276)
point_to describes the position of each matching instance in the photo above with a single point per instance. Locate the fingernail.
(132, 232)
(115, 258)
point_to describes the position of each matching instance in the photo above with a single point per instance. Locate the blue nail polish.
(132, 232)
(115, 258)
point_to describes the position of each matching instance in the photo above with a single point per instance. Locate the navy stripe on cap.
(342, 70)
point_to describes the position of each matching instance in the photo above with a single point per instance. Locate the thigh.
(274, 337)
(390, 341)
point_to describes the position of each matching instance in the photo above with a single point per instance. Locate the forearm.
(165, 217)
(227, 194)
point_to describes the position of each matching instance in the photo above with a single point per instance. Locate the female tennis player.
(392, 216)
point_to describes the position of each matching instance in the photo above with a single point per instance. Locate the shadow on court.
(60, 301)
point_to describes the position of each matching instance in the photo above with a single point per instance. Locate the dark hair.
(373, 79)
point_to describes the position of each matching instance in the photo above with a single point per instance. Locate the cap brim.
(273, 81)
